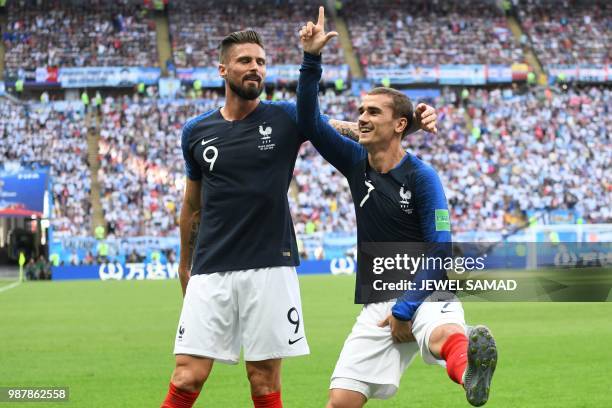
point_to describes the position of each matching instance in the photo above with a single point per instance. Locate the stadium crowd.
(498, 154)
(142, 174)
(530, 151)
(197, 28)
(75, 34)
(495, 155)
(423, 32)
(569, 32)
(45, 136)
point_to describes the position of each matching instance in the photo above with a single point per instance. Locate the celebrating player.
(398, 198)
(242, 289)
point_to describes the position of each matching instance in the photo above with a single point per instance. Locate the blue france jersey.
(407, 204)
(245, 168)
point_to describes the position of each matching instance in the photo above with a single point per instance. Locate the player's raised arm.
(339, 151)
(189, 225)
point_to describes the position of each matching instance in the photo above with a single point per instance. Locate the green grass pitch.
(111, 343)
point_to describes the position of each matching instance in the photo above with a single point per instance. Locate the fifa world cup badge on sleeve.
(442, 220)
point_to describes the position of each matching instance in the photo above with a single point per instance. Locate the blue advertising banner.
(499, 74)
(117, 271)
(463, 74)
(291, 73)
(421, 94)
(412, 74)
(166, 270)
(23, 193)
(107, 76)
(274, 73)
(2, 88)
(209, 76)
(566, 72)
(593, 73)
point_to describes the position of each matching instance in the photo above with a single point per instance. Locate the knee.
(189, 376)
(264, 377)
(345, 399)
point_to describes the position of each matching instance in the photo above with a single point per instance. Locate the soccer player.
(238, 248)
(398, 198)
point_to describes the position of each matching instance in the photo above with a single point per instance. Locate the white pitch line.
(11, 286)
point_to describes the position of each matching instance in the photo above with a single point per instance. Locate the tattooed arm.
(189, 225)
(348, 129)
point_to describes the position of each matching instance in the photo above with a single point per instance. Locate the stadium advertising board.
(23, 193)
(208, 76)
(2, 88)
(593, 73)
(274, 74)
(47, 75)
(582, 73)
(462, 74)
(107, 76)
(570, 72)
(445, 74)
(291, 73)
(167, 270)
(498, 73)
(412, 74)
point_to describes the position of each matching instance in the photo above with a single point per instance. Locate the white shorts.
(257, 309)
(372, 364)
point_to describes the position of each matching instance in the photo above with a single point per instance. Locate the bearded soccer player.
(238, 248)
(398, 198)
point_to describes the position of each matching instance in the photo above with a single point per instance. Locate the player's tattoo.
(348, 129)
(193, 234)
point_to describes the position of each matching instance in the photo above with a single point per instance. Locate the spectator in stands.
(422, 32)
(196, 28)
(569, 33)
(75, 34)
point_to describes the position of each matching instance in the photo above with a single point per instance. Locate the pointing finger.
(321, 19)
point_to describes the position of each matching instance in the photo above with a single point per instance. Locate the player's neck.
(237, 108)
(384, 160)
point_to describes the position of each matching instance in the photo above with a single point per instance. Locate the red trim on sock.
(454, 352)
(272, 400)
(178, 398)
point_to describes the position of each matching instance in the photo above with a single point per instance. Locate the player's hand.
(401, 331)
(313, 36)
(426, 117)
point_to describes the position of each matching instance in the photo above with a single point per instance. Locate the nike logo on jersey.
(209, 140)
(291, 342)
(444, 310)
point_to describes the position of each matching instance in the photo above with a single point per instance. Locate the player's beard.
(244, 92)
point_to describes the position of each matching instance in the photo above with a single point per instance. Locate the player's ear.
(400, 125)
(222, 70)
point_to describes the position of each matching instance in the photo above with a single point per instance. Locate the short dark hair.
(238, 37)
(401, 106)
